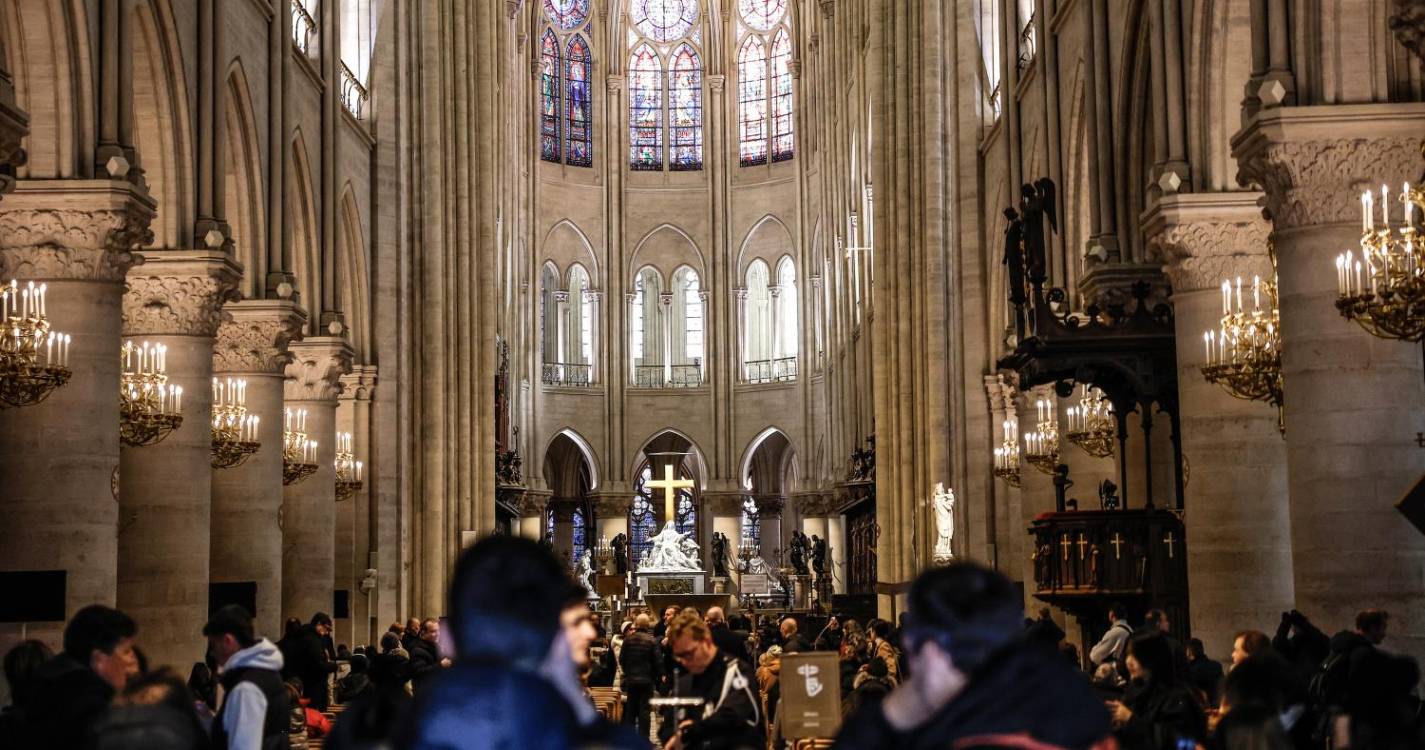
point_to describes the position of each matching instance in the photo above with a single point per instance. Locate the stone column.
(611, 514)
(769, 519)
(309, 506)
(58, 457)
(532, 514)
(247, 499)
(353, 516)
(1239, 559)
(165, 490)
(725, 510)
(1012, 540)
(1354, 403)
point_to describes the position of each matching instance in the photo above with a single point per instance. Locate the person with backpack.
(1341, 676)
(1113, 646)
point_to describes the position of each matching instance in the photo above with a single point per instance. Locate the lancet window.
(665, 90)
(764, 70)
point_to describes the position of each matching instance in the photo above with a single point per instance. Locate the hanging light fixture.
(234, 430)
(1007, 454)
(1091, 424)
(1244, 355)
(1041, 447)
(299, 452)
(34, 359)
(348, 469)
(1383, 287)
(149, 408)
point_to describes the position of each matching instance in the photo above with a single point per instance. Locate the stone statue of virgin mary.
(944, 503)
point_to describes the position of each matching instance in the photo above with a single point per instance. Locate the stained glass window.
(751, 522)
(685, 110)
(687, 520)
(782, 144)
(642, 522)
(752, 96)
(762, 15)
(580, 105)
(693, 317)
(549, 97)
(665, 20)
(569, 14)
(579, 537)
(645, 109)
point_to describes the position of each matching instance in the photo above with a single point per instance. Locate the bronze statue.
(1108, 495)
(620, 547)
(818, 556)
(720, 556)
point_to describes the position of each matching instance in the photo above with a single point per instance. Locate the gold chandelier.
(348, 469)
(1007, 454)
(1091, 423)
(299, 453)
(1383, 289)
(34, 359)
(1041, 447)
(234, 430)
(149, 408)
(1244, 355)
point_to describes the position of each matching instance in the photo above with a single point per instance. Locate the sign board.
(755, 584)
(811, 694)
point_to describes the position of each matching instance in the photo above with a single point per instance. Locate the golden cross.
(1082, 544)
(670, 487)
(1117, 546)
(1066, 544)
(1169, 540)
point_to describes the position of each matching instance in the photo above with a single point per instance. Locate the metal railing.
(678, 376)
(1028, 43)
(573, 375)
(771, 370)
(304, 27)
(353, 94)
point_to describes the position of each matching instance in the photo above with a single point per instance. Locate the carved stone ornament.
(723, 504)
(1204, 238)
(360, 383)
(179, 293)
(318, 362)
(1313, 162)
(770, 507)
(1408, 23)
(256, 335)
(82, 230)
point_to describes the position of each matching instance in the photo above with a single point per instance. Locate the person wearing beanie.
(974, 680)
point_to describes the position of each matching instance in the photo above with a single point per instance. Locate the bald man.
(726, 641)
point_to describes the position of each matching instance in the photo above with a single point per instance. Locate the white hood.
(260, 655)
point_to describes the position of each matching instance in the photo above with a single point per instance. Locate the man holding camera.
(731, 715)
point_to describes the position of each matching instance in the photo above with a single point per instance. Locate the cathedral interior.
(1118, 297)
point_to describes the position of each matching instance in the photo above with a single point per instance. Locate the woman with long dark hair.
(1158, 710)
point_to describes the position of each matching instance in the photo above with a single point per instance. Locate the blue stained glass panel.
(665, 20)
(549, 97)
(569, 14)
(687, 520)
(642, 526)
(580, 105)
(579, 536)
(762, 15)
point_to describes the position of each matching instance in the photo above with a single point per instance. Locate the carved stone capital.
(815, 505)
(533, 503)
(359, 384)
(997, 393)
(179, 292)
(770, 507)
(83, 230)
(561, 295)
(828, 8)
(318, 362)
(1313, 162)
(512, 8)
(610, 506)
(1207, 237)
(614, 83)
(255, 336)
(717, 82)
(1408, 23)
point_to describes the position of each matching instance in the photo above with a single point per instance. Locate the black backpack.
(1327, 687)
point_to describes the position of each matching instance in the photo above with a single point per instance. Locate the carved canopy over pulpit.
(1086, 560)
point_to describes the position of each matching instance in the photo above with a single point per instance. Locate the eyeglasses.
(686, 655)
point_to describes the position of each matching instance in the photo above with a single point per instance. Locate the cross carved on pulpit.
(1066, 544)
(1083, 544)
(1170, 540)
(670, 486)
(1117, 543)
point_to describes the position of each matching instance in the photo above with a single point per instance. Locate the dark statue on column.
(1108, 495)
(1025, 245)
(720, 555)
(818, 556)
(1014, 263)
(799, 548)
(620, 547)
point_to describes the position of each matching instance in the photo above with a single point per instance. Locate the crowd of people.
(522, 653)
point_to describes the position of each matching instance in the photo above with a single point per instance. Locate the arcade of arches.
(522, 258)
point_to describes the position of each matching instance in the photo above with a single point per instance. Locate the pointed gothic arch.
(161, 123)
(302, 236)
(46, 42)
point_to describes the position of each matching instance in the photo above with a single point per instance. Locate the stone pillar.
(769, 521)
(611, 514)
(1354, 403)
(532, 514)
(309, 506)
(353, 516)
(247, 499)
(1011, 540)
(1239, 558)
(725, 510)
(1036, 489)
(58, 457)
(165, 490)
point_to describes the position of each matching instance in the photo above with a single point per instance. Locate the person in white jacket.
(1114, 643)
(252, 699)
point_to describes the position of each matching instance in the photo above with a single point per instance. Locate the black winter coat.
(305, 657)
(1163, 714)
(729, 643)
(425, 661)
(66, 706)
(642, 660)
